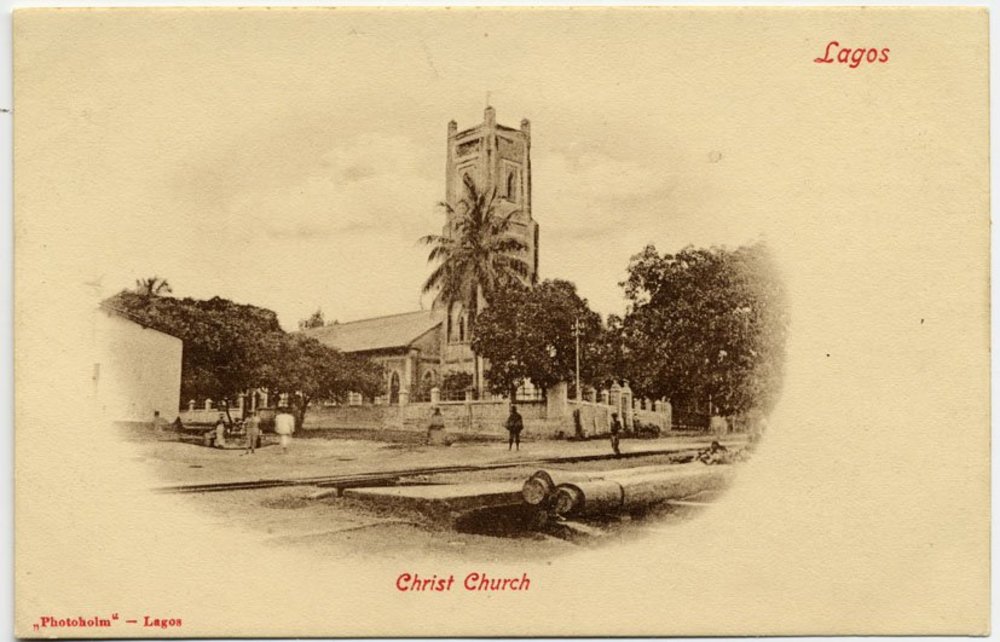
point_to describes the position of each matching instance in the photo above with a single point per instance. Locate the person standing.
(515, 424)
(616, 429)
(252, 426)
(435, 431)
(284, 425)
(220, 431)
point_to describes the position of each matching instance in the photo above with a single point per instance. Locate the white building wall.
(137, 370)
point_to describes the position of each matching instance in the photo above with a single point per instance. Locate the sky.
(293, 159)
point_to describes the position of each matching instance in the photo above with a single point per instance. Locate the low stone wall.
(484, 418)
(543, 419)
(203, 416)
(659, 419)
(595, 418)
(471, 418)
(353, 417)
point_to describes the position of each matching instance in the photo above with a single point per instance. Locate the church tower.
(495, 157)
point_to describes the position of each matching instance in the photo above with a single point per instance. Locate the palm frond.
(481, 253)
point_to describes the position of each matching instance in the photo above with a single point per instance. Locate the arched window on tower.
(511, 193)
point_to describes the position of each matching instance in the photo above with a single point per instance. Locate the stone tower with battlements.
(497, 158)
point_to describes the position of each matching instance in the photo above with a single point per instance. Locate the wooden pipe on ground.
(612, 496)
(540, 487)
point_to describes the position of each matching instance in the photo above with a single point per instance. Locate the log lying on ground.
(630, 492)
(589, 498)
(540, 488)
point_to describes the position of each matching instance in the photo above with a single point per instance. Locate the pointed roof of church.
(379, 333)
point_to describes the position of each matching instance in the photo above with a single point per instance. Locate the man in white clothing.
(284, 425)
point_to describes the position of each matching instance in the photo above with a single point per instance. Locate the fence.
(546, 414)
(485, 418)
(208, 411)
(683, 420)
(468, 418)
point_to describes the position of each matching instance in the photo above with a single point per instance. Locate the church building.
(418, 349)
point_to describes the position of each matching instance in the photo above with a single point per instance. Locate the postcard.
(409, 322)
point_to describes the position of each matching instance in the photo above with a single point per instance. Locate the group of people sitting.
(249, 430)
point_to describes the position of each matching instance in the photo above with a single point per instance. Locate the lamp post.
(576, 333)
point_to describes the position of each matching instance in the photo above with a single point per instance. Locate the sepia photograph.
(407, 428)
(358, 322)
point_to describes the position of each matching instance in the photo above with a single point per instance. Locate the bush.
(456, 383)
(646, 431)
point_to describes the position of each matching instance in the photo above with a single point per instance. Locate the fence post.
(435, 395)
(556, 401)
(627, 408)
(615, 398)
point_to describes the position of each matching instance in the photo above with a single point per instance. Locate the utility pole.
(576, 332)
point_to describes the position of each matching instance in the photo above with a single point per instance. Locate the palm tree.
(153, 286)
(479, 257)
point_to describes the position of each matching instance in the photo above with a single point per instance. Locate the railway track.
(386, 477)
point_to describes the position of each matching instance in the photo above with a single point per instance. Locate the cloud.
(588, 191)
(373, 183)
(357, 173)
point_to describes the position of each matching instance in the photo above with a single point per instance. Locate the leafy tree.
(309, 370)
(480, 256)
(705, 324)
(455, 383)
(228, 347)
(606, 361)
(528, 333)
(231, 348)
(315, 320)
(153, 286)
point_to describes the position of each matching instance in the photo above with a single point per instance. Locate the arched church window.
(512, 186)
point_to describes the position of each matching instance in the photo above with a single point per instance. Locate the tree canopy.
(231, 348)
(153, 286)
(528, 333)
(228, 347)
(481, 256)
(478, 258)
(705, 324)
(310, 370)
(315, 320)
